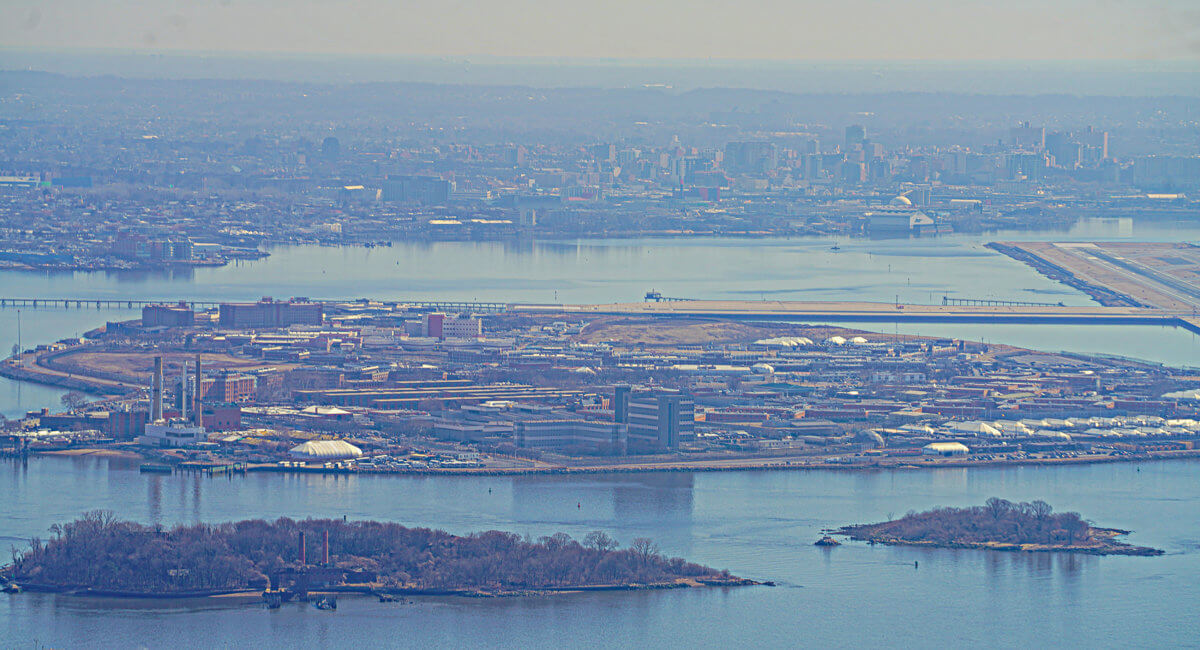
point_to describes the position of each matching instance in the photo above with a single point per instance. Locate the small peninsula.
(998, 525)
(100, 555)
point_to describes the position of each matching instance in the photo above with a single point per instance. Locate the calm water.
(757, 524)
(914, 271)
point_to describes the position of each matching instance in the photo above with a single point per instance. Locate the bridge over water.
(124, 303)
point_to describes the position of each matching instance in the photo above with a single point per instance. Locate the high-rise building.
(750, 157)
(423, 190)
(603, 152)
(331, 148)
(658, 420)
(1065, 149)
(856, 134)
(1029, 138)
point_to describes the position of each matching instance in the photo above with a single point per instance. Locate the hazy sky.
(677, 29)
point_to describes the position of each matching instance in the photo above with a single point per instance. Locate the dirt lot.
(138, 364)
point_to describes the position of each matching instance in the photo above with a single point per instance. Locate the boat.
(835, 247)
(327, 603)
(827, 541)
(11, 588)
(388, 598)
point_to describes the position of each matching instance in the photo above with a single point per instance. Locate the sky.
(792, 30)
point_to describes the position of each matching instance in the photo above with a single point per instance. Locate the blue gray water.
(756, 524)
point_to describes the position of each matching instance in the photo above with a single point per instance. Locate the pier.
(988, 302)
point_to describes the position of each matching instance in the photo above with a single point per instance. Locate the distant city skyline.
(920, 30)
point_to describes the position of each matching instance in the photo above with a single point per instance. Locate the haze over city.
(921, 30)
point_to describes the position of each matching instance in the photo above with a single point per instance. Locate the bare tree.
(1041, 509)
(998, 507)
(645, 550)
(74, 400)
(600, 541)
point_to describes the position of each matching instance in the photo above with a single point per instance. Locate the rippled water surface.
(757, 524)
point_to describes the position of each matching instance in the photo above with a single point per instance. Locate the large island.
(999, 525)
(100, 555)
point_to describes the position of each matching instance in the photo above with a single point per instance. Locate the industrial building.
(268, 313)
(657, 420)
(168, 316)
(575, 433)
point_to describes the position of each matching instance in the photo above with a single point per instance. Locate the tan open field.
(138, 364)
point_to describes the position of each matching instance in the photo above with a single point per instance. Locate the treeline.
(101, 552)
(999, 520)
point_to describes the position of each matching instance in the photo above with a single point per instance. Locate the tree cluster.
(999, 520)
(101, 552)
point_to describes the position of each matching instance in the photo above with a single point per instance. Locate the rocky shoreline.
(1103, 542)
(79, 591)
(1108, 548)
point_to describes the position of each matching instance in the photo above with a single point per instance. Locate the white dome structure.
(858, 340)
(976, 428)
(835, 340)
(1048, 433)
(945, 449)
(785, 342)
(321, 450)
(902, 202)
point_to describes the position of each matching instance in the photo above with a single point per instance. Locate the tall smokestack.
(303, 554)
(198, 409)
(156, 391)
(325, 549)
(183, 391)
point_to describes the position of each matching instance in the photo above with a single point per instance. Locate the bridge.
(122, 303)
(98, 303)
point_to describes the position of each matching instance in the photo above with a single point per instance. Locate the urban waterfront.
(916, 271)
(756, 524)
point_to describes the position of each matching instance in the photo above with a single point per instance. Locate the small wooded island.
(100, 555)
(998, 525)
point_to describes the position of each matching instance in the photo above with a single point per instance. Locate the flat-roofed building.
(568, 434)
(168, 316)
(659, 420)
(268, 313)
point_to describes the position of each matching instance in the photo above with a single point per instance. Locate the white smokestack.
(156, 391)
(198, 410)
(183, 391)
